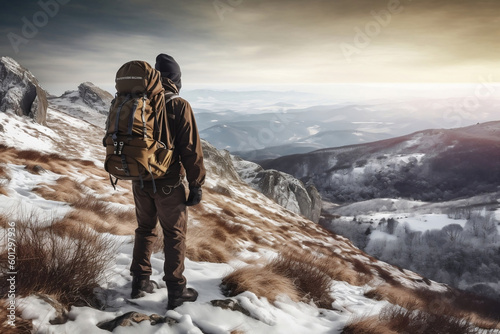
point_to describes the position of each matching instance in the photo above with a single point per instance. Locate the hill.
(431, 165)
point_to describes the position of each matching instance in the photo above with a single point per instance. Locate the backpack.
(137, 117)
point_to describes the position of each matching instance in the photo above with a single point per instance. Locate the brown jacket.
(188, 154)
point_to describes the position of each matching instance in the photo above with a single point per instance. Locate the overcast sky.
(256, 42)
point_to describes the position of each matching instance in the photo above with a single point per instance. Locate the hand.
(194, 196)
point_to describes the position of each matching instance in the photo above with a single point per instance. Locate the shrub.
(49, 261)
(311, 282)
(452, 304)
(293, 274)
(260, 280)
(397, 319)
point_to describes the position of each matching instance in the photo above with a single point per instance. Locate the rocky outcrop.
(283, 188)
(20, 92)
(95, 97)
(89, 103)
(91, 96)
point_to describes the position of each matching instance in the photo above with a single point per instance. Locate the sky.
(259, 43)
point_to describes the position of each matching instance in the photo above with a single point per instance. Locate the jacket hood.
(169, 85)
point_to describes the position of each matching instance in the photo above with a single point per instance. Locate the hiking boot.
(141, 286)
(177, 299)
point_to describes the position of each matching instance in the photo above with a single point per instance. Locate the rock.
(95, 97)
(230, 304)
(316, 202)
(219, 163)
(282, 188)
(130, 317)
(20, 92)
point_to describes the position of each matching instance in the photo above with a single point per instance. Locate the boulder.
(20, 92)
(282, 188)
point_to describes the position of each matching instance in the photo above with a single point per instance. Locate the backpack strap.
(169, 97)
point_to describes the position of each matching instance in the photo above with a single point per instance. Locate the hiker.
(164, 199)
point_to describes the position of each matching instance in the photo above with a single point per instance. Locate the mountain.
(259, 267)
(20, 91)
(431, 165)
(89, 102)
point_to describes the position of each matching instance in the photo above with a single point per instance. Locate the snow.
(23, 202)
(313, 130)
(23, 133)
(427, 222)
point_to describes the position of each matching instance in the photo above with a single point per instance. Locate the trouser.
(166, 205)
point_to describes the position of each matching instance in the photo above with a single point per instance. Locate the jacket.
(188, 154)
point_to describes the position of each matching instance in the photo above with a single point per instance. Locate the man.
(168, 204)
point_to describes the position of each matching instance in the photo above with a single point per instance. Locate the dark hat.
(169, 68)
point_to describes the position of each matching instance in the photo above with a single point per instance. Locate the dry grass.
(50, 261)
(3, 221)
(4, 180)
(397, 319)
(260, 280)
(453, 304)
(312, 283)
(98, 215)
(64, 190)
(22, 326)
(203, 247)
(296, 275)
(368, 325)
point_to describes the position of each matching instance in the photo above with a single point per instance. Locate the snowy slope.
(282, 316)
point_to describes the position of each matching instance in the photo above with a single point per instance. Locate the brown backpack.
(137, 117)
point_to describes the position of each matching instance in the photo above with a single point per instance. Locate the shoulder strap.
(170, 114)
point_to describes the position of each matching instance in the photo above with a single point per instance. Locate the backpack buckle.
(120, 148)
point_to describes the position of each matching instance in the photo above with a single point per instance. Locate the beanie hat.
(169, 69)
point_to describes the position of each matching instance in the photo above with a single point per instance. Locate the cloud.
(263, 40)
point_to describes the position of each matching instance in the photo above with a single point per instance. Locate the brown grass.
(22, 326)
(51, 262)
(312, 283)
(292, 273)
(64, 190)
(209, 245)
(367, 325)
(4, 180)
(397, 319)
(479, 311)
(260, 280)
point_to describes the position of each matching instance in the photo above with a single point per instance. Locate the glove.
(194, 196)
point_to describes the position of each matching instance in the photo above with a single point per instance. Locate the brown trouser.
(166, 206)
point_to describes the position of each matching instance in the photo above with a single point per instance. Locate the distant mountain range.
(279, 131)
(430, 165)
